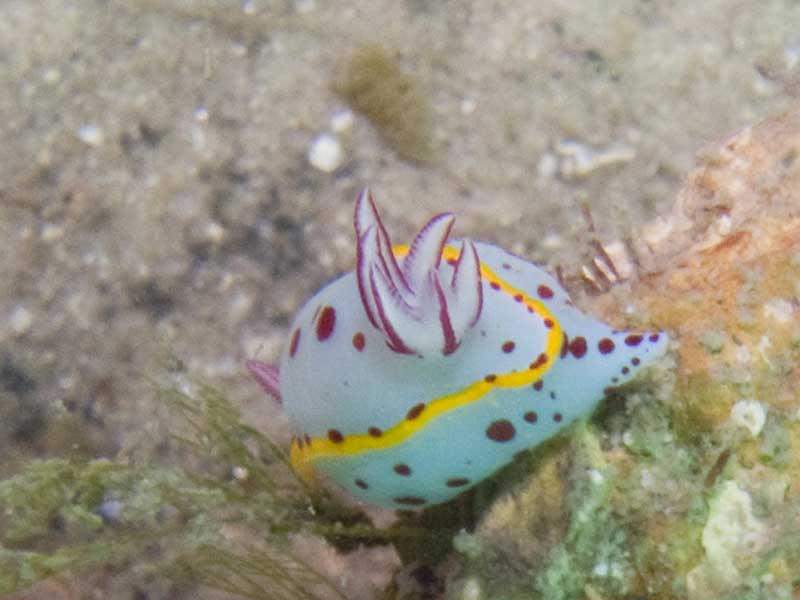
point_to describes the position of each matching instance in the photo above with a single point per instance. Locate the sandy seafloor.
(156, 195)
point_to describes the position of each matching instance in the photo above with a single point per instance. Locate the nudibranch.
(422, 372)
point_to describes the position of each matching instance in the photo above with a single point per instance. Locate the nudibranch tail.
(409, 304)
(267, 376)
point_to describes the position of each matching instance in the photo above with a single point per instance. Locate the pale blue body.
(329, 384)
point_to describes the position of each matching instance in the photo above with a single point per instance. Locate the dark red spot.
(410, 500)
(633, 340)
(606, 346)
(506, 266)
(653, 337)
(335, 436)
(557, 417)
(537, 385)
(518, 297)
(362, 484)
(549, 323)
(541, 360)
(359, 341)
(530, 417)
(307, 439)
(294, 343)
(451, 262)
(635, 361)
(402, 469)
(415, 411)
(508, 346)
(491, 378)
(457, 482)
(578, 347)
(494, 285)
(325, 323)
(530, 309)
(374, 432)
(565, 345)
(545, 293)
(625, 370)
(501, 431)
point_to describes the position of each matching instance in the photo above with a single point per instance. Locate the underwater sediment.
(683, 485)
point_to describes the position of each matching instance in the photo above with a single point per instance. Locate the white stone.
(468, 106)
(215, 232)
(51, 232)
(200, 114)
(749, 414)
(471, 590)
(342, 121)
(326, 153)
(91, 134)
(552, 241)
(20, 320)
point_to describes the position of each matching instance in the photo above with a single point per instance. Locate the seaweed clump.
(374, 85)
(206, 526)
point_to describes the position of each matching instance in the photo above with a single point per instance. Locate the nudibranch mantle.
(422, 372)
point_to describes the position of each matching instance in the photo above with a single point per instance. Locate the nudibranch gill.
(414, 377)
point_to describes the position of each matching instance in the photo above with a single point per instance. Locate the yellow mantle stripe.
(303, 456)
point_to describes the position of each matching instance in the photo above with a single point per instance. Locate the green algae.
(372, 82)
(61, 515)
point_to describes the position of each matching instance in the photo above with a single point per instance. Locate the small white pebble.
(600, 569)
(326, 153)
(51, 232)
(552, 241)
(471, 590)
(749, 414)
(468, 106)
(200, 114)
(20, 320)
(240, 473)
(215, 232)
(91, 134)
(342, 121)
(52, 76)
